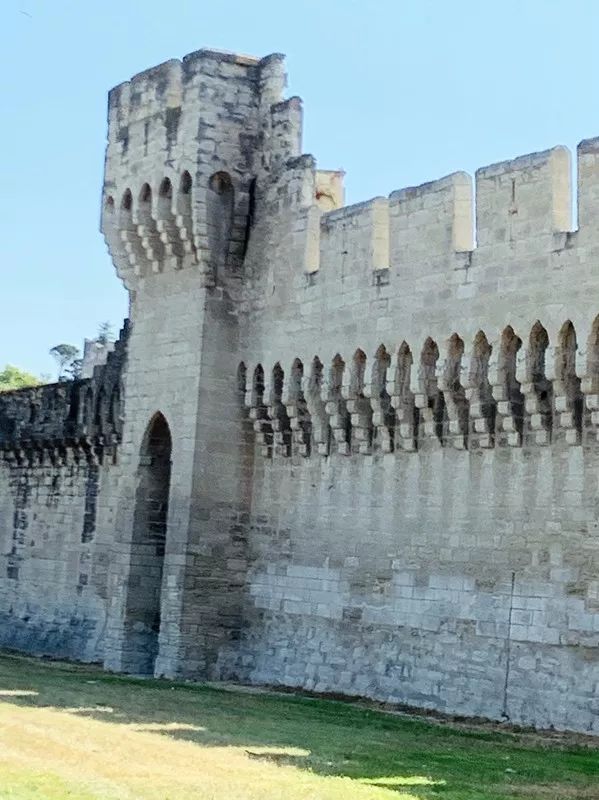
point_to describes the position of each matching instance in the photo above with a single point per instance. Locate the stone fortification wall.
(414, 265)
(421, 377)
(461, 581)
(58, 446)
(359, 451)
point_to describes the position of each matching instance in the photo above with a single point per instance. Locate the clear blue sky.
(396, 92)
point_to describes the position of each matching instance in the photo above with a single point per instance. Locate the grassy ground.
(77, 733)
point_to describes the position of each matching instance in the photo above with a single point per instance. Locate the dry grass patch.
(77, 733)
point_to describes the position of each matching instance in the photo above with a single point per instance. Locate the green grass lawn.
(73, 732)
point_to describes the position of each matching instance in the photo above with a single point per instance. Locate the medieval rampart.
(58, 445)
(421, 376)
(359, 444)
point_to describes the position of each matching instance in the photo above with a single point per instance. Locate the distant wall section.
(58, 480)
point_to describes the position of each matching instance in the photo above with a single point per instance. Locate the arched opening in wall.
(112, 419)
(258, 385)
(566, 369)
(151, 241)
(408, 415)
(241, 381)
(428, 382)
(109, 205)
(593, 354)
(403, 373)
(297, 405)
(359, 405)
(88, 410)
(144, 585)
(126, 209)
(321, 430)
(537, 346)
(357, 374)
(455, 395)
(165, 198)
(74, 398)
(453, 366)
(278, 412)
(145, 203)
(509, 388)
(245, 416)
(259, 413)
(115, 401)
(384, 416)
(185, 184)
(183, 217)
(336, 380)
(317, 375)
(100, 414)
(220, 202)
(341, 419)
(479, 380)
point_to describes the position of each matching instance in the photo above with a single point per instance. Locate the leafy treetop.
(12, 377)
(68, 359)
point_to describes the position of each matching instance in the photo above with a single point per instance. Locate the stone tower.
(190, 145)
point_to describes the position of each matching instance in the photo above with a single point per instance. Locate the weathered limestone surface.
(449, 580)
(356, 447)
(58, 498)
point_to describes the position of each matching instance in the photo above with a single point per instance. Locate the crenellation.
(588, 200)
(523, 199)
(285, 134)
(357, 435)
(434, 219)
(354, 242)
(85, 414)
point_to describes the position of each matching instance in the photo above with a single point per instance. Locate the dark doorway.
(142, 619)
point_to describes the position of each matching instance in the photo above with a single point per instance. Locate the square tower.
(189, 142)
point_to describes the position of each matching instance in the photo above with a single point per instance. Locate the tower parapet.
(187, 142)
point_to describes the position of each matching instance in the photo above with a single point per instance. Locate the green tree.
(68, 358)
(105, 334)
(14, 378)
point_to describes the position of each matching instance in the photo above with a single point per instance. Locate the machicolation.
(341, 448)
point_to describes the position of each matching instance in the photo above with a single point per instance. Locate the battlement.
(187, 142)
(359, 435)
(167, 85)
(82, 417)
(202, 149)
(523, 205)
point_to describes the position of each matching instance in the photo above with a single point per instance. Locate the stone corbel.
(539, 421)
(261, 422)
(360, 411)
(299, 417)
(338, 416)
(317, 409)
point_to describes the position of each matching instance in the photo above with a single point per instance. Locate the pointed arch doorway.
(148, 544)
